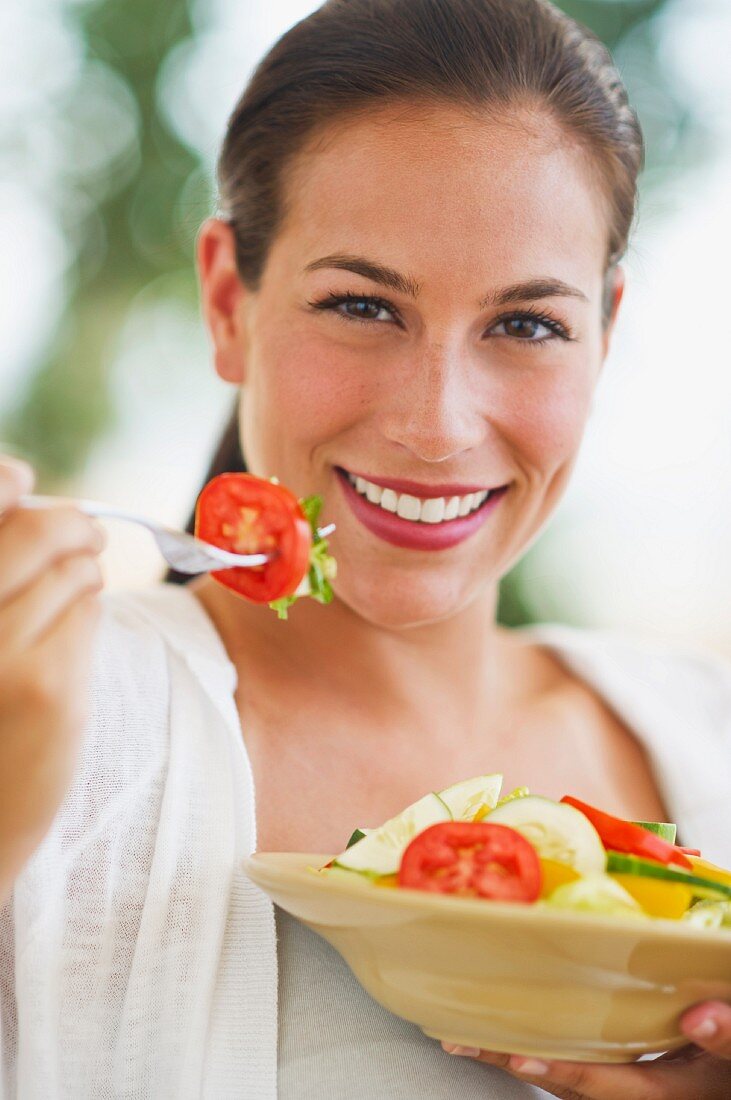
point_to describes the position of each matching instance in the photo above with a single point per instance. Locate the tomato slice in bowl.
(249, 515)
(472, 859)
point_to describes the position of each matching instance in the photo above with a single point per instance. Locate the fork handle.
(88, 507)
(92, 508)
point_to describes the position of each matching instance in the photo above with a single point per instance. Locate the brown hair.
(479, 54)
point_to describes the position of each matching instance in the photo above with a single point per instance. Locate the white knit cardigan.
(136, 959)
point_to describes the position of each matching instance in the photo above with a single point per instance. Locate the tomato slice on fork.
(249, 515)
(472, 859)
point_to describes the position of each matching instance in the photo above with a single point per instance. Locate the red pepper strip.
(624, 836)
(690, 851)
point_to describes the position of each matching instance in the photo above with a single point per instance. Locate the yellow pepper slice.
(657, 897)
(705, 869)
(555, 874)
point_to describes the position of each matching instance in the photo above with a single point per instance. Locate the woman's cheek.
(320, 385)
(301, 394)
(545, 418)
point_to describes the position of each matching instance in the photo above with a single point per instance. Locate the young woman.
(413, 282)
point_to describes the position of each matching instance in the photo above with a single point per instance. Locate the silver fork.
(184, 552)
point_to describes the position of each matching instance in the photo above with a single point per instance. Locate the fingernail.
(466, 1052)
(532, 1066)
(705, 1029)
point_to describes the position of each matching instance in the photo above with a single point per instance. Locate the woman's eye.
(357, 307)
(364, 309)
(529, 329)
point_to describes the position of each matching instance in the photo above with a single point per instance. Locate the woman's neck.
(449, 674)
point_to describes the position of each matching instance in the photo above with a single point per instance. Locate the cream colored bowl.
(507, 977)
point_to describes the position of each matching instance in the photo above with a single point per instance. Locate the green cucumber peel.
(322, 567)
(666, 830)
(357, 835)
(622, 864)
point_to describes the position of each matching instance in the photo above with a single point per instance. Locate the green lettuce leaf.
(322, 569)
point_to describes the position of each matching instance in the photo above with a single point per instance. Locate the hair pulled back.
(484, 55)
(481, 54)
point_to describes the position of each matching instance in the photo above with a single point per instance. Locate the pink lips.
(419, 536)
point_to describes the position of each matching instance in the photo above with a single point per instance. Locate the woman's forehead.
(449, 187)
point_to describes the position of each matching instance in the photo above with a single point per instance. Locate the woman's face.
(428, 321)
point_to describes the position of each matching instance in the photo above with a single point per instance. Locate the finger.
(682, 1054)
(709, 1026)
(706, 1077)
(26, 617)
(30, 541)
(16, 478)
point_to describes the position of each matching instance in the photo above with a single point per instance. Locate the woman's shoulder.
(156, 656)
(682, 669)
(142, 632)
(166, 614)
(675, 698)
(123, 757)
(157, 686)
(126, 733)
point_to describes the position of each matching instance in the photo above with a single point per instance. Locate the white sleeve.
(68, 932)
(138, 960)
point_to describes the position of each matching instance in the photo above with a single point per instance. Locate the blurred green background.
(117, 138)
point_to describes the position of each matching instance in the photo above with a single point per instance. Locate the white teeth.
(418, 509)
(389, 500)
(432, 510)
(451, 508)
(408, 507)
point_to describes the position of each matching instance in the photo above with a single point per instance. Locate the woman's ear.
(223, 297)
(613, 293)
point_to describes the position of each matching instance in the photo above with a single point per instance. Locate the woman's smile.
(418, 516)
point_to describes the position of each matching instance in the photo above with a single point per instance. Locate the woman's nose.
(435, 408)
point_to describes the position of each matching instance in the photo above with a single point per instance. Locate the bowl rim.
(309, 874)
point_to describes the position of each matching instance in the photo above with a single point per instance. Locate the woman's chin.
(403, 604)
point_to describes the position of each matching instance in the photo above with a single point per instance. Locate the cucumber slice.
(666, 830)
(556, 830)
(597, 894)
(356, 835)
(379, 851)
(709, 914)
(464, 799)
(517, 792)
(633, 865)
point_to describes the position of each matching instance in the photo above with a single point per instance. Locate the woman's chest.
(315, 784)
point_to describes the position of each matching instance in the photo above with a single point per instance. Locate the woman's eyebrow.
(530, 290)
(369, 269)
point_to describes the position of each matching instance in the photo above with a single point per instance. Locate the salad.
(531, 850)
(250, 515)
